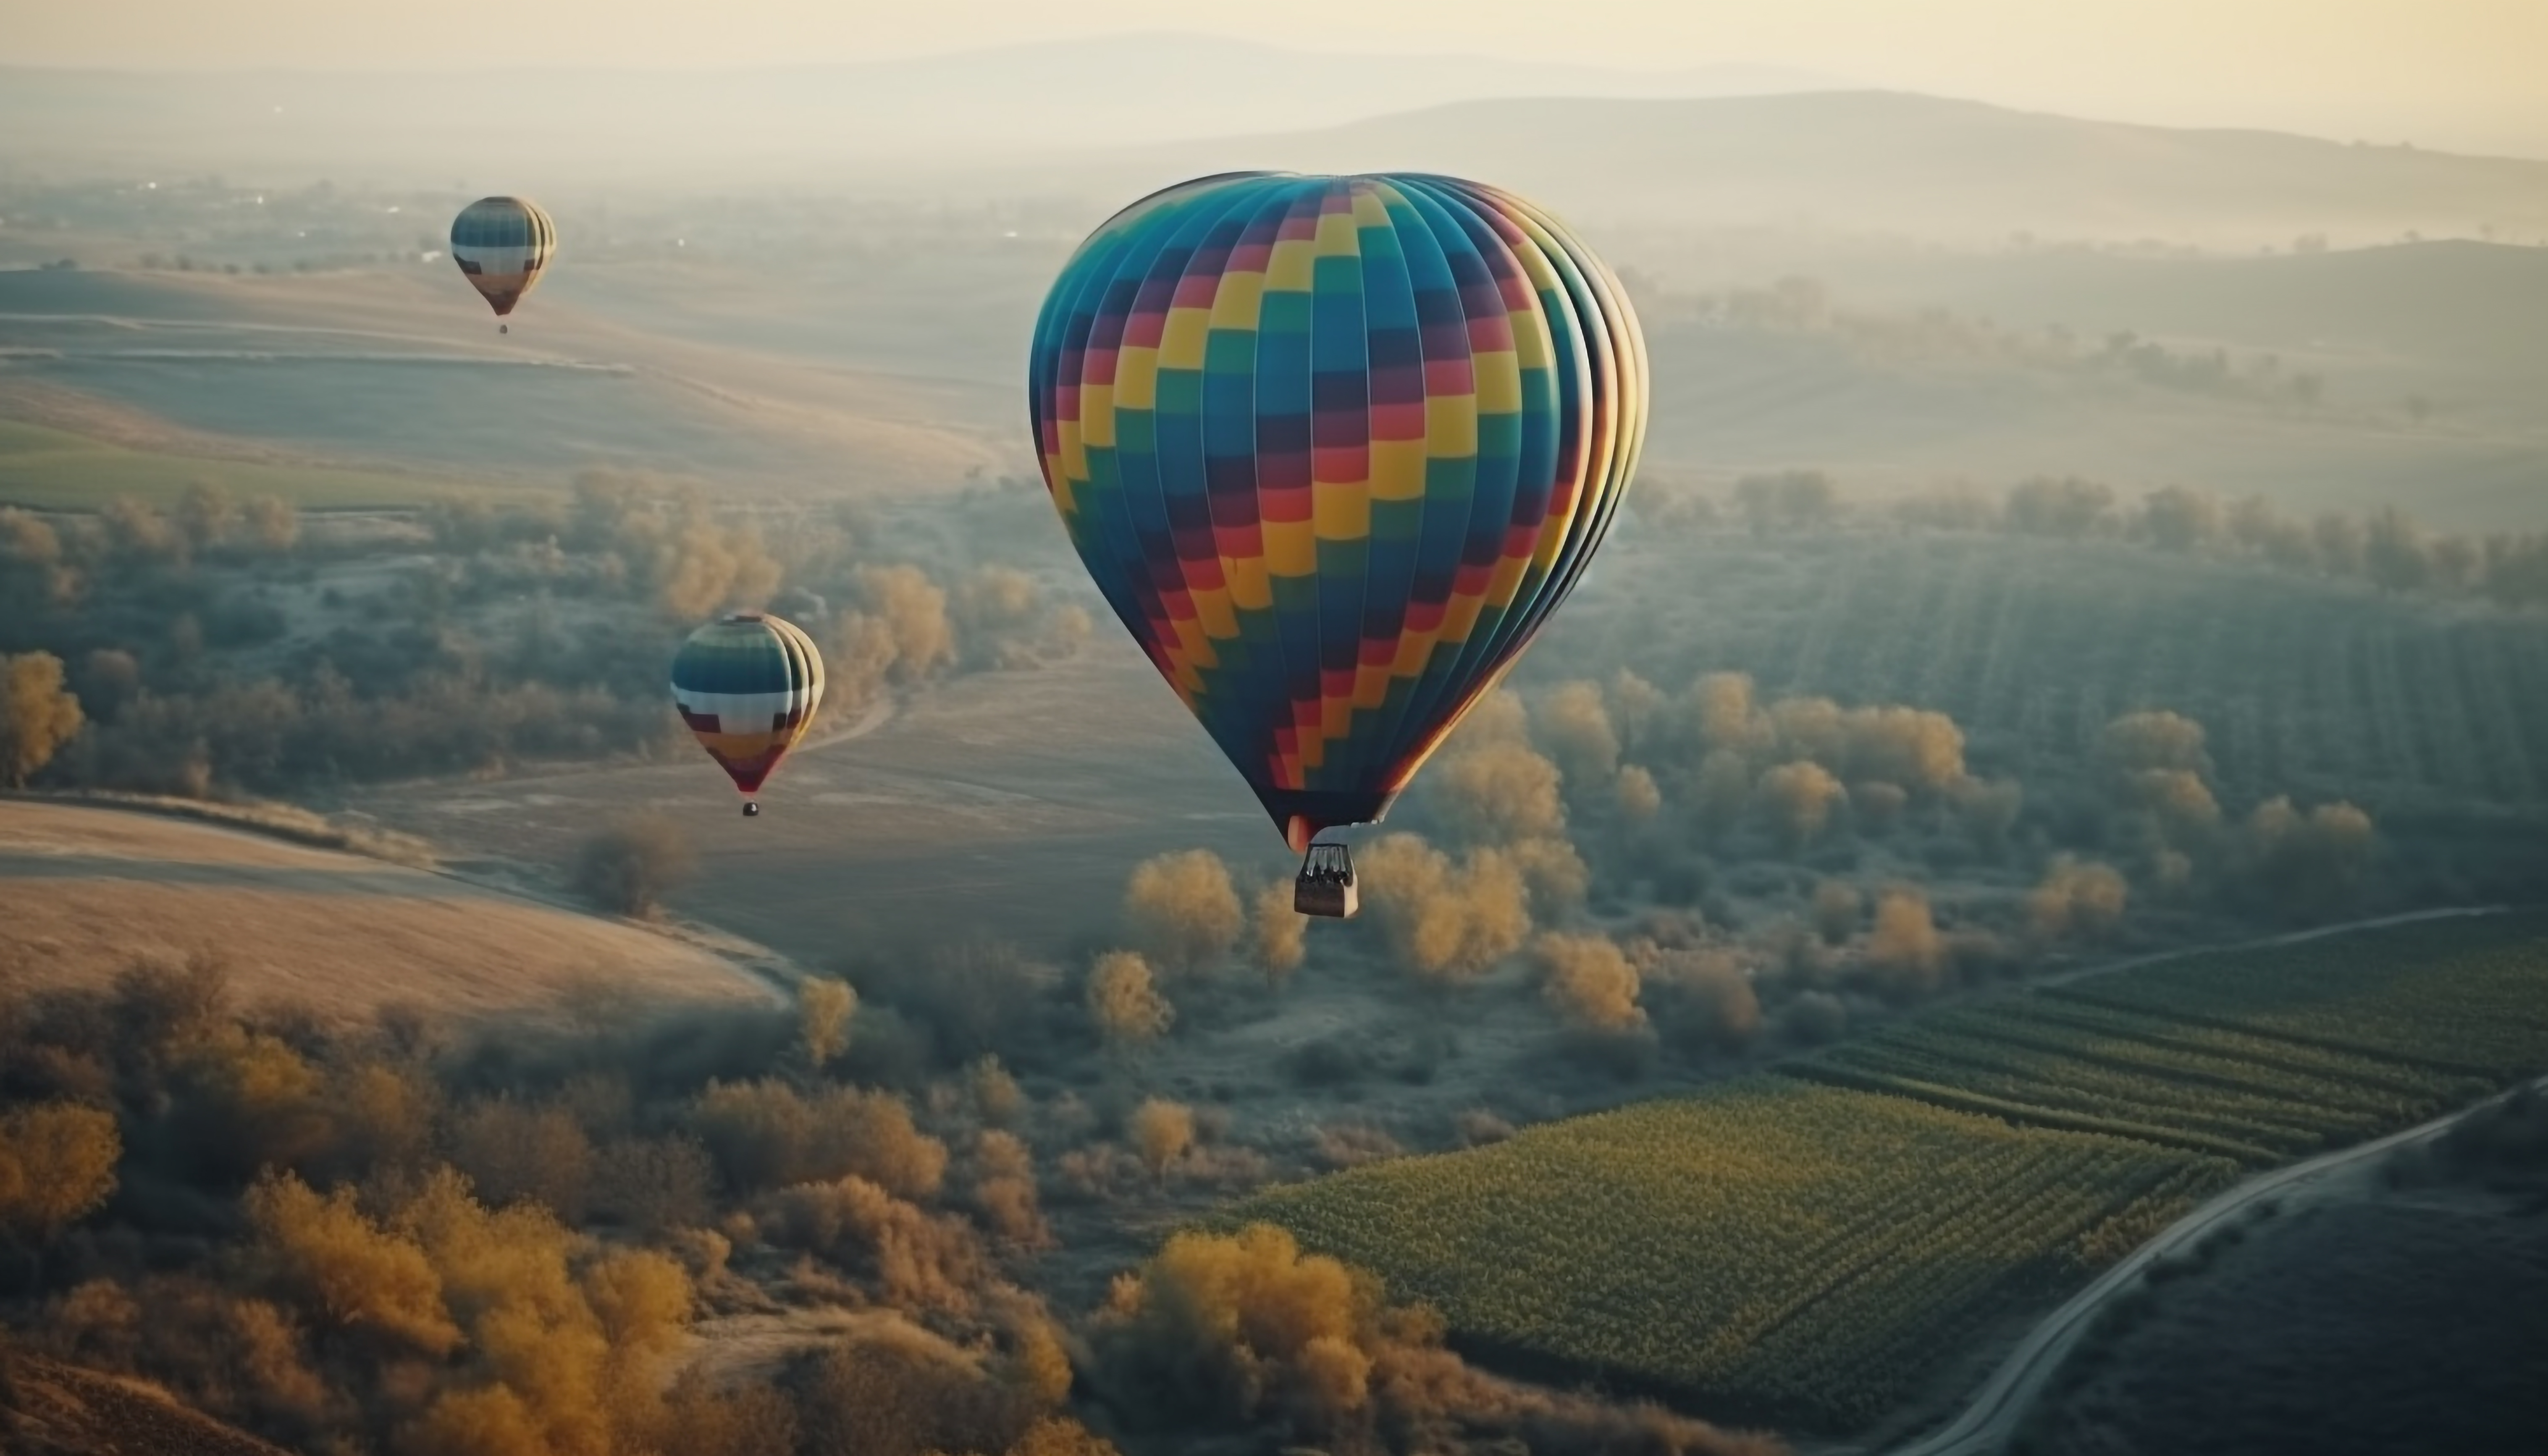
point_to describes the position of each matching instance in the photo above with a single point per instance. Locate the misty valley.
(2004, 912)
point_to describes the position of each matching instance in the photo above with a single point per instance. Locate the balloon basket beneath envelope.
(1325, 886)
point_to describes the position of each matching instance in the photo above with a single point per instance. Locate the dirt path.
(2291, 937)
(1986, 1424)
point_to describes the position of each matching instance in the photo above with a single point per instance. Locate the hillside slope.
(1876, 161)
(85, 890)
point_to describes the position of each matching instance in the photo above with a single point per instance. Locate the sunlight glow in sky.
(2464, 73)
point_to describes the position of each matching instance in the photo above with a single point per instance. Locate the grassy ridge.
(58, 470)
(1809, 1247)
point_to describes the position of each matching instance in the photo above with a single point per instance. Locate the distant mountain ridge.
(1102, 91)
(1103, 119)
(1879, 161)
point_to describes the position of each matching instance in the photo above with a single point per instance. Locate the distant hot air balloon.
(748, 686)
(502, 243)
(1334, 448)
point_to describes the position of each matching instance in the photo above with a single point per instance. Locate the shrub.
(629, 869)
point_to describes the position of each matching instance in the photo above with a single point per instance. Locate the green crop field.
(1811, 1247)
(59, 471)
(2468, 996)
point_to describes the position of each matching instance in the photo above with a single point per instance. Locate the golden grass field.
(85, 890)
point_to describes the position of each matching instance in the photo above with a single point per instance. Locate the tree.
(2067, 508)
(1589, 981)
(2394, 554)
(1182, 909)
(56, 1166)
(273, 522)
(347, 1268)
(37, 715)
(1798, 799)
(1161, 1132)
(1904, 948)
(1281, 934)
(823, 1010)
(629, 867)
(2176, 519)
(1128, 1007)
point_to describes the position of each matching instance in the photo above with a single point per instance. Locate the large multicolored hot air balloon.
(502, 243)
(1334, 448)
(748, 686)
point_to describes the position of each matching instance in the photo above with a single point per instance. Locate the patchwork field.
(1812, 1247)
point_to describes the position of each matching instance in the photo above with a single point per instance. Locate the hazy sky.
(2438, 73)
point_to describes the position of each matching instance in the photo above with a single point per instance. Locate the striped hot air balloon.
(748, 686)
(501, 243)
(1334, 448)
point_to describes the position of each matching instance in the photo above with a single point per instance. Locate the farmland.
(2308, 687)
(1809, 1246)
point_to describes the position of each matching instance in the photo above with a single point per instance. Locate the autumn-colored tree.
(1904, 948)
(1798, 799)
(824, 1006)
(1721, 707)
(1004, 1189)
(1500, 792)
(2076, 898)
(56, 1166)
(1574, 722)
(345, 1268)
(1125, 1002)
(1638, 797)
(1232, 1326)
(1182, 911)
(37, 715)
(1837, 908)
(1161, 1133)
(2156, 739)
(997, 1097)
(1590, 982)
(272, 523)
(1446, 922)
(1278, 934)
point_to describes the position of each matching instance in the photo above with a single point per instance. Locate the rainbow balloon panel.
(1334, 449)
(746, 688)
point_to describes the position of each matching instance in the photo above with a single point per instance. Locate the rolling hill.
(374, 369)
(886, 113)
(1897, 162)
(84, 890)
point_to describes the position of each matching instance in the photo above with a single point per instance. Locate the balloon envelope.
(748, 686)
(1334, 449)
(501, 243)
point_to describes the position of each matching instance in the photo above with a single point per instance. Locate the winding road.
(1990, 1418)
